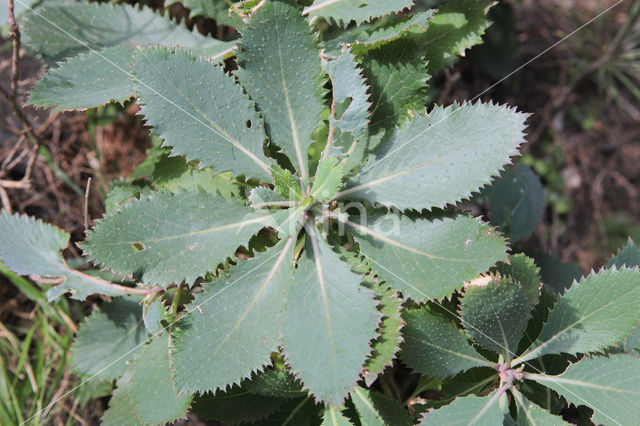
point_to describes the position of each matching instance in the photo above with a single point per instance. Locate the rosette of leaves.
(336, 150)
(520, 355)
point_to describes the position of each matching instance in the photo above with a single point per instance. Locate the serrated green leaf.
(529, 414)
(557, 276)
(628, 256)
(440, 158)
(121, 411)
(280, 68)
(153, 393)
(376, 409)
(327, 180)
(367, 36)
(106, 339)
(121, 192)
(470, 410)
(286, 184)
(496, 313)
(54, 34)
(387, 344)
(29, 246)
(609, 385)
(517, 202)
(241, 309)
(224, 129)
(350, 98)
(427, 259)
(82, 83)
(523, 270)
(152, 314)
(333, 417)
(329, 321)
(295, 412)
(175, 174)
(218, 10)
(458, 25)
(593, 314)
(261, 197)
(343, 12)
(169, 237)
(236, 405)
(397, 76)
(435, 346)
(276, 383)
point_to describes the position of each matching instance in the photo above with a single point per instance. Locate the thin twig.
(9, 157)
(86, 205)
(6, 204)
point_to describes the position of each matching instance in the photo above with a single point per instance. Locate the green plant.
(280, 303)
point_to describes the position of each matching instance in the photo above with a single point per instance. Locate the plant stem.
(175, 303)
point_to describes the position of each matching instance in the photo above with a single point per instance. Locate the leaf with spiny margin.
(376, 409)
(29, 246)
(367, 36)
(175, 174)
(349, 91)
(476, 410)
(329, 321)
(106, 339)
(387, 344)
(233, 325)
(218, 10)
(200, 112)
(54, 33)
(286, 184)
(121, 411)
(260, 196)
(517, 202)
(496, 313)
(595, 313)
(295, 412)
(609, 385)
(442, 157)
(167, 238)
(530, 414)
(153, 393)
(153, 312)
(426, 259)
(458, 25)
(343, 12)
(279, 66)
(122, 191)
(523, 270)
(397, 76)
(327, 180)
(235, 405)
(556, 275)
(333, 417)
(276, 383)
(628, 256)
(435, 346)
(82, 82)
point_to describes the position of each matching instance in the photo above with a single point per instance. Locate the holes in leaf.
(138, 247)
(248, 123)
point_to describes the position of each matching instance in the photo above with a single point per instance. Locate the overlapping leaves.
(299, 297)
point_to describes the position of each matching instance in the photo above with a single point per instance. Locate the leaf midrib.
(292, 121)
(529, 355)
(191, 234)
